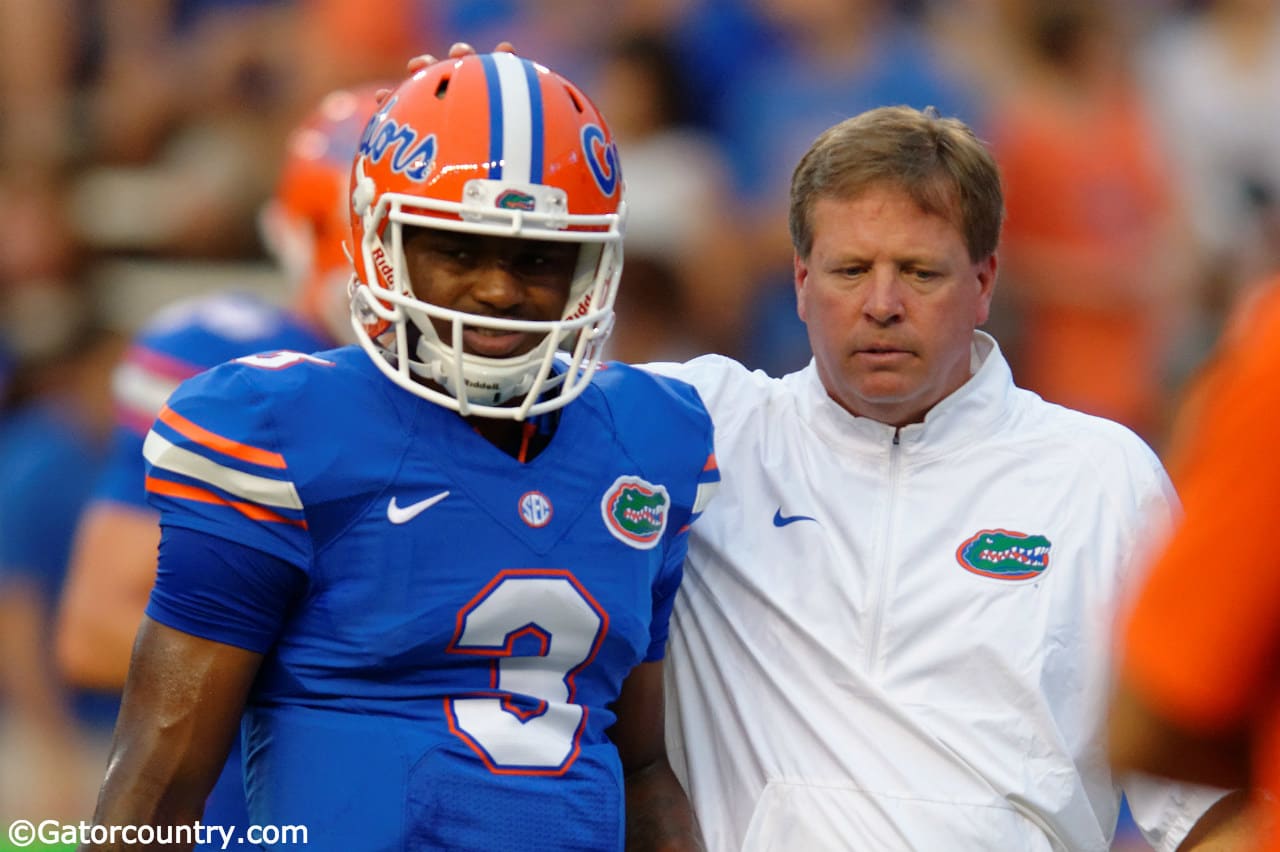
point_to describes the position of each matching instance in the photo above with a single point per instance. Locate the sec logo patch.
(535, 509)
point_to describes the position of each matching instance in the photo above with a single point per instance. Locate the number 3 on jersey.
(552, 609)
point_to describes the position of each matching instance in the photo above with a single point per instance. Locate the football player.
(114, 559)
(433, 571)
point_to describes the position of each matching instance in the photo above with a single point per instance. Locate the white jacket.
(899, 639)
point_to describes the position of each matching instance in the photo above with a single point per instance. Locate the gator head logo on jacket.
(1004, 554)
(635, 511)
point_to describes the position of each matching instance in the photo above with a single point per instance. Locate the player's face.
(493, 277)
(891, 299)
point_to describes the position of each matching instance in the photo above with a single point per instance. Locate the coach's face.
(891, 299)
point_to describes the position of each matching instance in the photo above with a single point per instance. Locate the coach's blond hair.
(938, 161)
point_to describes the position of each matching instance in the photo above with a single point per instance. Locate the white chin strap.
(481, 381)
(412, 355)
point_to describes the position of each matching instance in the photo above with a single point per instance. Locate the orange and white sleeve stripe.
(194, 474)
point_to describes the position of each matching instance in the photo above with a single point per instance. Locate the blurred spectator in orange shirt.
(1198, 692)
(1195, 398)
(1094, 267)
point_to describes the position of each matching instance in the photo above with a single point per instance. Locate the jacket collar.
(970, 413)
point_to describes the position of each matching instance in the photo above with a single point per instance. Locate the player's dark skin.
(492, 277)
(185, 695)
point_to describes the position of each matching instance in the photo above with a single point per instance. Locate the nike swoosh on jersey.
(404, 514)
(781, 520)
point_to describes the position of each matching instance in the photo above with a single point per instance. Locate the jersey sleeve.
(182, 341)
(218, 463)
(664, 595)
(696, 478)
(222, 590)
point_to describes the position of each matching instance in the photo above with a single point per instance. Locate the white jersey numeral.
(549, 607)
(281, 359)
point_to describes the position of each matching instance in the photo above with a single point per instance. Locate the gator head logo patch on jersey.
(635, 511)
(1004, 554)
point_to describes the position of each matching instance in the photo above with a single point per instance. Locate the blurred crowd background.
(1139, 143)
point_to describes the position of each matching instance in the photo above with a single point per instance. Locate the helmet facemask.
(494, 146)
(409, 349)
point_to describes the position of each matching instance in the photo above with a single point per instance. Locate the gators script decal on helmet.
(1004, 554)
(635, 511)
(411, 153)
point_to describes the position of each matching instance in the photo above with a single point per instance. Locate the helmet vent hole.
(575, 97)
(442, 87)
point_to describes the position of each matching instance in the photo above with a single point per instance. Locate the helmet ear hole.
(442, 87)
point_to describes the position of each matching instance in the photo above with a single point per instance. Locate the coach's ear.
(986, 274)
(801, 273)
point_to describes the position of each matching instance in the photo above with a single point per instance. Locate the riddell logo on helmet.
(384, 268)
(583, 307)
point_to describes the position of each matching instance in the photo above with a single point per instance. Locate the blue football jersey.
(446, 679)
(181, 340)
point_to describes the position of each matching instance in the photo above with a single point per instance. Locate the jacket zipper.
(885, 550)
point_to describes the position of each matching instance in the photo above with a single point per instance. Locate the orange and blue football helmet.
(494, 145)
(305, 225)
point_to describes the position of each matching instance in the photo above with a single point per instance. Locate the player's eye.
(546, 259)
(453, 254)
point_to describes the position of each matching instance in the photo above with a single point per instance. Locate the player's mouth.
(493, 343)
